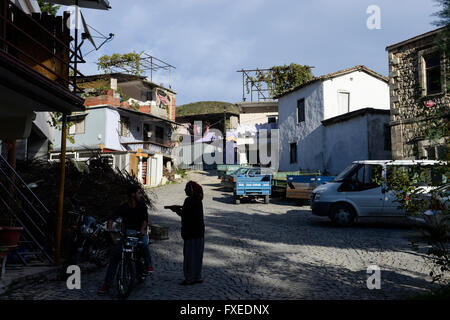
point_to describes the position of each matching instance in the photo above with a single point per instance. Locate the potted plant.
(9, 236)
(9, 232)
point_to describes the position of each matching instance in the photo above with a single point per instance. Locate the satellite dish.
(87, 34)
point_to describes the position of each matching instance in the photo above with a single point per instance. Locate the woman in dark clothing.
(192, 232)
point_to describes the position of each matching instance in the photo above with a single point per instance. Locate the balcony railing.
(41, 41)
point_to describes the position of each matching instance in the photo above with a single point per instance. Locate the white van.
(355, 192)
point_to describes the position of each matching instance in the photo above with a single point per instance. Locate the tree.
(280, 78)
(48, 7)
(443, 15)
(131, 62)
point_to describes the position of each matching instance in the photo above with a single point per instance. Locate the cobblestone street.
(258, 251)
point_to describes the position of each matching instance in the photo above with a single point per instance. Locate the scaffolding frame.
(260, 87)
(148, 64)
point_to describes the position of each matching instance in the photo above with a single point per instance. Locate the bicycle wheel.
(125, 278)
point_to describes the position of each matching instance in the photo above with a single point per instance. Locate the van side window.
(364, 178)
(417, 175)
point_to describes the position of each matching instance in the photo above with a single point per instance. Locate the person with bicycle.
(134, 217)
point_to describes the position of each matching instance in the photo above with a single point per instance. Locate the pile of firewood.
(96, 186)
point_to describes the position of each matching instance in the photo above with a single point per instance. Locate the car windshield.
(239, 171)
(340, 177)
(254, 172)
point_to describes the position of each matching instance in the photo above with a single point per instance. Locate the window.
(418, 175)
(78, 127)
(387, 138)
(441, 152)
(436, 152)
(293, 152)
(159, 134)
(366, 177)
(272, 120)
(124, 126)
(430, 71)
(147, 132)
(300, 110)
(433, 150)
(146, 95)
(253, 172)
(344, 102)
(433, 73)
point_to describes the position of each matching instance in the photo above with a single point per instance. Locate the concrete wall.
(255, 118)
(102, 126)
(307, 133)
(342, 146)
(95, 132)
(36, 145)
(365, 91)
(41, 122)
(376, 125)
(112, 131)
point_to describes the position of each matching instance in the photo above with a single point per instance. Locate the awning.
(90, 4)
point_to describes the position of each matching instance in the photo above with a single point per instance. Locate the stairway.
(22, 207)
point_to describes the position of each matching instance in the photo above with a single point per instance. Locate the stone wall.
(406, 93)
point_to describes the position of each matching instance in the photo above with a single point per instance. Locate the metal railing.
(28, 37)
(21, 206)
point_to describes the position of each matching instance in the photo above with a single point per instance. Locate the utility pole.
(63, 148)
(61, 191)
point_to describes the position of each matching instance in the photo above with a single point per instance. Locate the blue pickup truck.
(253, 186)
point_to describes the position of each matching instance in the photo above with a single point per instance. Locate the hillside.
(206, 107)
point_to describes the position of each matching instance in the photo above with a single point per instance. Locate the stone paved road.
(274, 251)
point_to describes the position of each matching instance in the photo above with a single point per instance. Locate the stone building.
(419, 72)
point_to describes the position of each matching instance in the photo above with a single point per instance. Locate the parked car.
(229, 180)
(438, 213)
(357, 191)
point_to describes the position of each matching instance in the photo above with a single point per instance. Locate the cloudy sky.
(209, 40)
